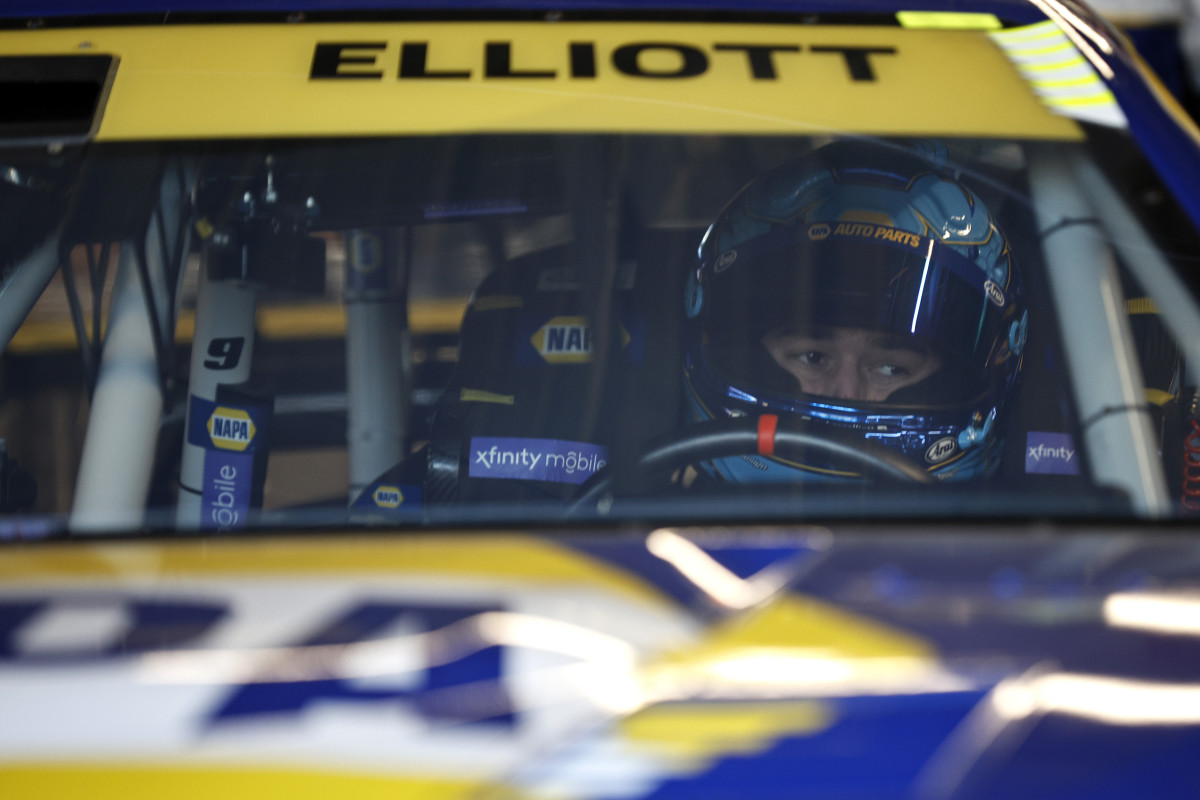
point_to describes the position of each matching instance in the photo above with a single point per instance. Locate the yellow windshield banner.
(334, 79)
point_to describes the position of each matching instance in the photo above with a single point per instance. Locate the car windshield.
(655, 318)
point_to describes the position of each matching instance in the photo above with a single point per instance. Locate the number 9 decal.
(224, 353)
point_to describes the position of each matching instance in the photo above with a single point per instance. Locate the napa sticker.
(226, 426)
(569, 340)
(387, 496)
(230, 428)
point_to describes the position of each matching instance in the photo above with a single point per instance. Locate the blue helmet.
(863, 288)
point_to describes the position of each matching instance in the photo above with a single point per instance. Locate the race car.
(596, 400)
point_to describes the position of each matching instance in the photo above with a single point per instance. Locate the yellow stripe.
(1020, 53)
(1140, 305)
(1105, 99)
(699, 732)
(949, 20)
(1158, 397)
(276, 322)
(794, 641)
(1073, 62)
(1053, 83)
(482, 396)
(302, 322)
(494, 302)
(436, 316)
(1063, 85)
(168, 85)
(521, 560)
(121, 782)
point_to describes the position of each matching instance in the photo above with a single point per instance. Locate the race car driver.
(861, 289)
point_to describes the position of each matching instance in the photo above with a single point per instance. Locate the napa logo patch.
(387, 496)
(819, 231)
(388, 501)
(230, 428)
(570, 340)
(564, 340)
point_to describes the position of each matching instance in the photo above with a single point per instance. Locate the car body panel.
(678, 663)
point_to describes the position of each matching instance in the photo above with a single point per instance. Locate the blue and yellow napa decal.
(258, 80)
(564, 339)
(225, 426)
(568, 340)
(387, 496)
(230, 428)
(387, 499)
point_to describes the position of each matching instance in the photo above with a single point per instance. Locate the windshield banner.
(213, 81)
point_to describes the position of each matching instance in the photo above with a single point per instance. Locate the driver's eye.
(893, 371)
(813, 358)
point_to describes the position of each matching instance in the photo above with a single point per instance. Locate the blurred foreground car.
(349, 359)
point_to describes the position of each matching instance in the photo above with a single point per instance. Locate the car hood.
(784, 661)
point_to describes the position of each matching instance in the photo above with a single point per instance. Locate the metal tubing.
(23, 286)
(377, 357)
(118, 451)
(224, 315)
(1101, 359)
(1154, 274)
(376, 360)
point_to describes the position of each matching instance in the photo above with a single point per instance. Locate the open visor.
(855, 275)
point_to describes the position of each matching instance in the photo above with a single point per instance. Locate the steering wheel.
(767, 435)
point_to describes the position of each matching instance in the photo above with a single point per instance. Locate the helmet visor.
(900, 318)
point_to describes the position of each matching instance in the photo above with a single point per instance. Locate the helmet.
(864, 255)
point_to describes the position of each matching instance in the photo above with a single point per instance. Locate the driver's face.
(850, 363)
